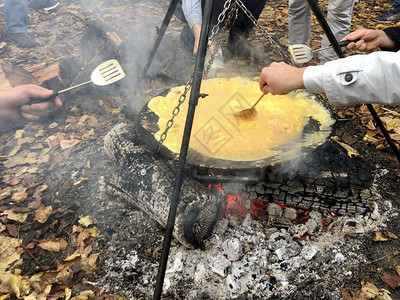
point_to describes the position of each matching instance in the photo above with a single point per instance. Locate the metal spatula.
(106, 73)
(302, 53)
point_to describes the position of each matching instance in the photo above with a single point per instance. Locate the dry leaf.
(383, 236)
(20, 285)
(391, 280)
(86, 221)
(53, 125)
(350, 150)
(66, 144)
(53, 244)
(82, 179)
(94, 231)
(19, 134)
(26, 140)
(89, 265)
(43, 213)
(371, 291)
(19, 196)
(20, 218)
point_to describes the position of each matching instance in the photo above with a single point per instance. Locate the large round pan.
(148, 126)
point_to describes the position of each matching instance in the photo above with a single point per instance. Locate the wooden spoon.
(248, 113)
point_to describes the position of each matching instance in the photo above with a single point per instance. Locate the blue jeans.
(396, 5)
(16, 16)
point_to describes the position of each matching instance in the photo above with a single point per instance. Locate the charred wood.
(147, 182)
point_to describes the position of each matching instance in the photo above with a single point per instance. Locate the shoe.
(391, 16)
(23, 40)
(46, 5)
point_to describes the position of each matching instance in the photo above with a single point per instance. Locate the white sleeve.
(372, 78)
(192, 11)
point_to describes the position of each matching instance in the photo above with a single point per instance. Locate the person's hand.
(196, 32)
(281, 78)
(370, 39)
(13, 102)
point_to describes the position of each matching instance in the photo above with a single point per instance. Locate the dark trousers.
(242, 25)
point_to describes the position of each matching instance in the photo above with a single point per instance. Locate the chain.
(232, 15)
(222, 18)
(266, 35)
(175, 112)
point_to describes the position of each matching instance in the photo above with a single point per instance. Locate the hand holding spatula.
(106, 73)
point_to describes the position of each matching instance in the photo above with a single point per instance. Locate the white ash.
(245, 258)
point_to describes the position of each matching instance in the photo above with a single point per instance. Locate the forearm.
(358, 79)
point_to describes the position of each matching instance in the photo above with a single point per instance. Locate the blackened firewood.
(147, 182)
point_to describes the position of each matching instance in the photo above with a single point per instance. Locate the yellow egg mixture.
(217, 133)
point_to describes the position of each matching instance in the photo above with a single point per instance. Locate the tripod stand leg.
(332, 39)
(194, 95)
(160, 35)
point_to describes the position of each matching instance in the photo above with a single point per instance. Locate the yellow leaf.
(89, 265)
(2, 227)
(101, 103)
(116, 111)
(43, 213)
(53, 244)
(350, 150)
(17, 217)
(26, 140)
(9, 251)
(85, 221)
(84, 295)
(68, 293)
(21, 159)
(14, 151)
(397, 269)
(20, 285)
(66, 144)
(19, 196)
(5, 297)
(72, 256)
(82, 179)
(40, 133)
(94, 231)
(19, 134)
(53, 125)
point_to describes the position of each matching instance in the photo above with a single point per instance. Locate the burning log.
(147, 183)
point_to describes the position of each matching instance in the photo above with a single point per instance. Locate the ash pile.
(282, 251)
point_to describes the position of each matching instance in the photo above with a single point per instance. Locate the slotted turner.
(302, 53)
(106, 73)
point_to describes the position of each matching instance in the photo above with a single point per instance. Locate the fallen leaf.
(66, 144)
(43, 213)
(89, 264)
(53, 125)
(53, 244)
(26, 140)
(2, 227)
(86, 221)
(19, 134)
(20, 285)
(391, 280)
(383, 236)
(19, 196)
(20, 218)
(371, 291)
(350, 150)
(82, 179)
